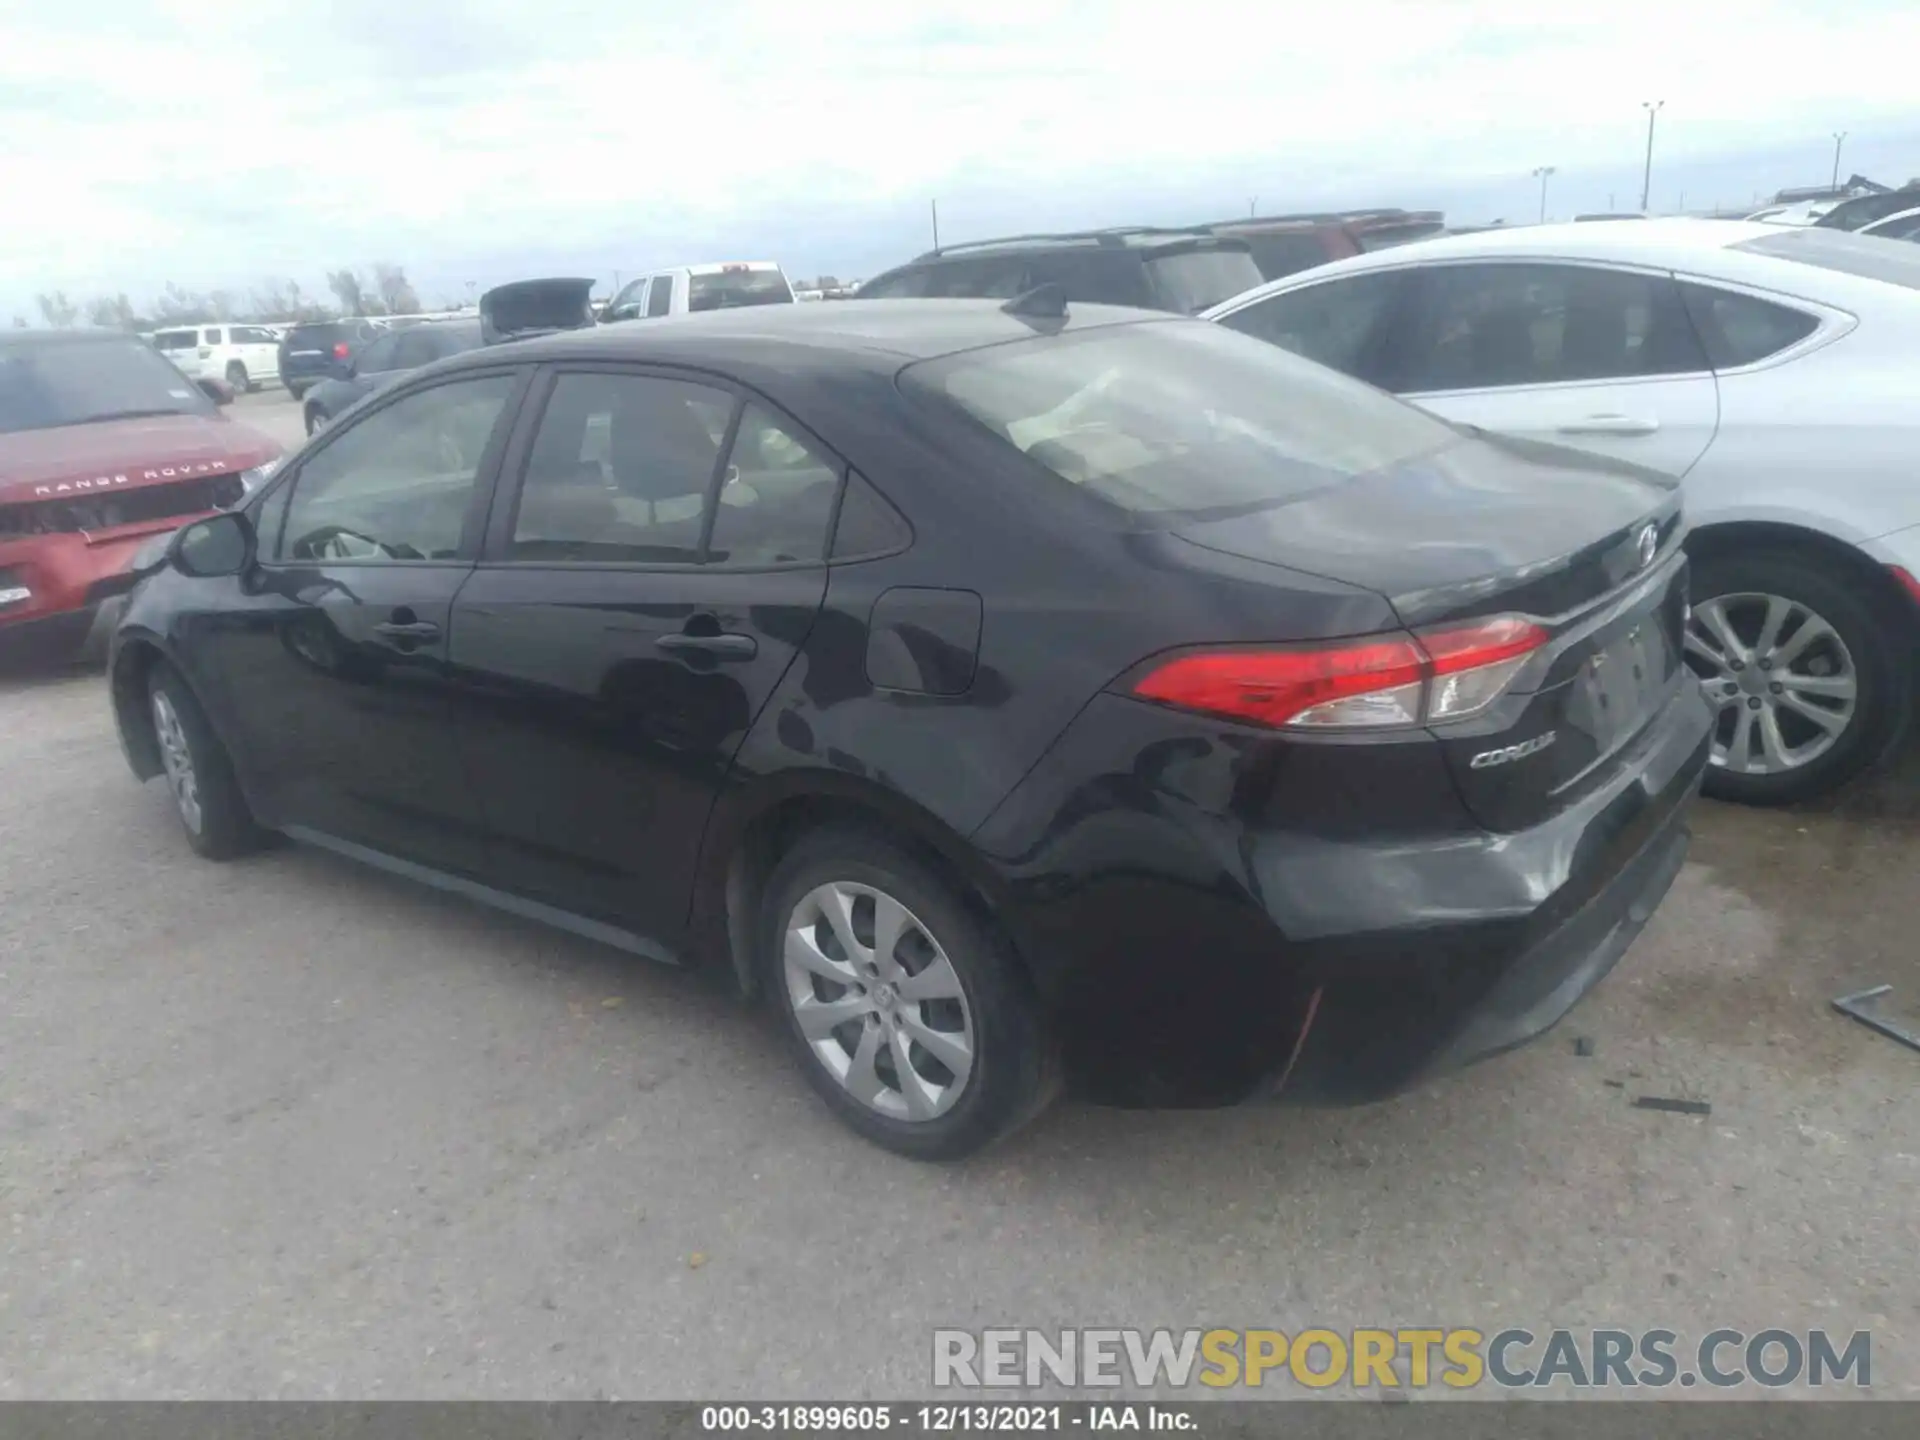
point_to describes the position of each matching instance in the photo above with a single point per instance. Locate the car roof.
(31, 339)
(1119, 237)
(1704, 248)
(886, 334)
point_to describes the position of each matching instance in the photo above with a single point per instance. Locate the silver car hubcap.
(878, 1001)
(177, 760)
(1781, 679)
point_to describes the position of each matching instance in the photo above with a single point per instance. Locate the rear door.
(335, 663)
(647, 580)
(1599, 358)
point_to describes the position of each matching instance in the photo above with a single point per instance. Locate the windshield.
(725, 289)
(1869, 256)
(1164, 417)
(1190, 281)
(72, 382)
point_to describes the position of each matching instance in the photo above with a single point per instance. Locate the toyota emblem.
(1649, 544)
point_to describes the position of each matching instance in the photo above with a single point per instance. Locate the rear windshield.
(176, 340)
(1869, 256)
(70, 382)
(1190, 281)
(316, 336)
(1170, 417)
(725, 289)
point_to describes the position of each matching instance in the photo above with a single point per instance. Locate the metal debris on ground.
(1676, 1107)
(1583, 1045)
(1859, 1005)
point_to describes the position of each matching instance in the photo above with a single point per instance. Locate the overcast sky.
(221, 144)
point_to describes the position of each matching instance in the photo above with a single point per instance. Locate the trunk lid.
(1585, 547)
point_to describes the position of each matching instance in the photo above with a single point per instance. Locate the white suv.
(684, 289)
(242, 355)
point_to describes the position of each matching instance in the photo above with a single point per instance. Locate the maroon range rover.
(103, 444)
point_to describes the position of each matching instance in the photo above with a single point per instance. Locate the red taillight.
(1383, 680)
(340, 350)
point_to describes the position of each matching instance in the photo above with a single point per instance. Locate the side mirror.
(217, 391)
(221, 544)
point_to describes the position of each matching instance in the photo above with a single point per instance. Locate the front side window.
(776, 501)
(620, 470)
(1493, 325)
(61, 381)
(660, 297)
(210, 337)
(1173, 417)
(1338, 323)
(396, 485)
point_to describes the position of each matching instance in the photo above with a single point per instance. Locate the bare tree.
(113, 312)
(346, 289)
(57, 309)
(395, 293)
(181, 307)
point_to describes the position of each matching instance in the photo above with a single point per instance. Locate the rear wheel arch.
(744, 848)
(1847, 560)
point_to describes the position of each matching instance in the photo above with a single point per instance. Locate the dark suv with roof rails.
(1287, 244)
(1150, 269)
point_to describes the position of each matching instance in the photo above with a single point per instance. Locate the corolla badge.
(1486, 759)
(1649, 544)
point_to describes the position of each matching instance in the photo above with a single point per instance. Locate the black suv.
(321, 351)
(1184, 271)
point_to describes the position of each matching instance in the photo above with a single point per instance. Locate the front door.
(1591, 357)
(641, 595)
(335, 667)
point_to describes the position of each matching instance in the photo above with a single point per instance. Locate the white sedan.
(1776, 368)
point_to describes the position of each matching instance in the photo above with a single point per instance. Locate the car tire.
(1836, 648)
(198, 772)
(237, 377)
(979, 1005)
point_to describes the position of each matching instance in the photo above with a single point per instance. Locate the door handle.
(408, 630)
(724, 647)
(1611, 425)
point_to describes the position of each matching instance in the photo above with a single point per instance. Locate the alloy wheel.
(177, 759)
(1783, 683)
(878, 1002)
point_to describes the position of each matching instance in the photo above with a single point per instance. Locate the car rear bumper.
(1187, 959)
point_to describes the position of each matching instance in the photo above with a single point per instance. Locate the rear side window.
(660, 296)
(868, 524)
(1905, 227)
(1740, 330)
(620, 469)
(1338, 323)
(1488, 326)
(1189, 281)
(776, 498)
(1172, 417)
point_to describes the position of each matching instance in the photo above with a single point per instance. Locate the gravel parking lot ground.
(273, 412)
(288, 1127)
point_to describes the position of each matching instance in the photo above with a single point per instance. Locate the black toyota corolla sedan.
(1013, 697)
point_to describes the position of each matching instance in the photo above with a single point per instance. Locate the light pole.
(1653, 109)
(1838, 136)
(1541, 173)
